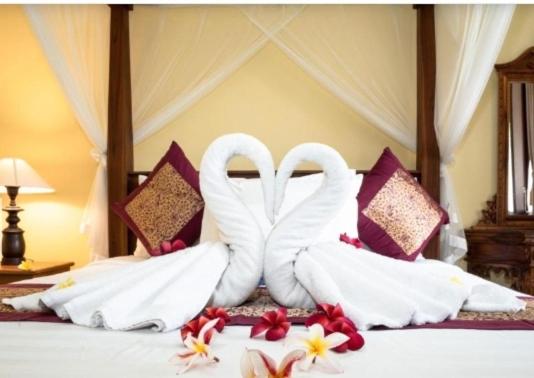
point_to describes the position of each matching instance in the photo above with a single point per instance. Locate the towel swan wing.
(238, 228)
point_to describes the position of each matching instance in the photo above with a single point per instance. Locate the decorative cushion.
(167, 206)
(397, 216)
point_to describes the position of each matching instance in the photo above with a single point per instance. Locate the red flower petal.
(336, 312)
(259, 328)
(274, 323)
(177, 245)
(217, 312)
(342, 348)
(356, 341)
(194, 326)
(269, 317)
(166, 246)
(352, 241)
(317, 318)
(275, 333)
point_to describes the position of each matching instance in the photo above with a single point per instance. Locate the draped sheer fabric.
(75, 40)
(180, 54)
(468, 41)
(374, 73)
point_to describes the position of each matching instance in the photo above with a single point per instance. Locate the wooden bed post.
(120, 135)
(428, 159)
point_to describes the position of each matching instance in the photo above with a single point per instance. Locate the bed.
(43, 349)
(29, 349)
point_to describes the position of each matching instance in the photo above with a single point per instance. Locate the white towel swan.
(372, 289)
(167, 291)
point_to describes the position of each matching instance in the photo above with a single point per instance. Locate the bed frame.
(122, 178)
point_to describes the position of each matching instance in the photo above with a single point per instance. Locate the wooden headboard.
(120, 132)
(133, 182)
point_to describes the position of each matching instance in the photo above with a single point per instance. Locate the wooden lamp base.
(13, 245)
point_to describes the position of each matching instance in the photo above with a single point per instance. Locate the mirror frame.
(519, 69)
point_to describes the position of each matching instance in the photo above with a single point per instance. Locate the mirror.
(520, 194)
(515, 165)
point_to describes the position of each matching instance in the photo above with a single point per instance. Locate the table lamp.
(17, 176)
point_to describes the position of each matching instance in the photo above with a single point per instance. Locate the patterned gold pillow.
(397, 217)
(167, 207)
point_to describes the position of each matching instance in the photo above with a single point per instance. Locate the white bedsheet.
(31, 349)
(66, 350)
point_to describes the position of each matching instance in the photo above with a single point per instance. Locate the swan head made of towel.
(237, 226)
(298, 229)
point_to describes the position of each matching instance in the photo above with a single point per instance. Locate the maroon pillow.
(397, 217)
(167, 206)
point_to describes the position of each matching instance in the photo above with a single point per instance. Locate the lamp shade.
(16, 172)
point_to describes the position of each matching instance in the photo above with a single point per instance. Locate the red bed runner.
(260, 302)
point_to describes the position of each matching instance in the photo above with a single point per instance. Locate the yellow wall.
(271, 98)
(475, 168)
(37, 124)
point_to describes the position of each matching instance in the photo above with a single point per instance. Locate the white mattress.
(29, 349)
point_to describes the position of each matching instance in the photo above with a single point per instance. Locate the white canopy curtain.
(374, 73)
(180, 54)
(75, 40)
(468, 41)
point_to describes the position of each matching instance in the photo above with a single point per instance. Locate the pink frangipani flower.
(198, 349)
(317, 347)
(256, 364)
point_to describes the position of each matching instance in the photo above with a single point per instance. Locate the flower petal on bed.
(198, 348)
(217, 313)
(355, 340)
(326, 314)
(194, 327)
(274, 323)
(255, 363)
(317, 347)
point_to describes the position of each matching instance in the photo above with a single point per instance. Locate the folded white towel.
(166, 292)
(372, 289)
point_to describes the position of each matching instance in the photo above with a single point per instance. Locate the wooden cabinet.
(493, 248)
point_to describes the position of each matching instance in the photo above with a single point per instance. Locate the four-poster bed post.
(120, 135)
(428, 159)
(120, 140)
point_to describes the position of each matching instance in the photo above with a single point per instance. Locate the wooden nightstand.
(10, 273)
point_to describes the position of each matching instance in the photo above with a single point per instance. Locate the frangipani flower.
(355, 340)
(198, 348)
(217, 312)
(326, 314)
(352, 241)
(65, 284)
(274, 322)
(317, 348)
(195, 326)
(256, 364)
(167, 247)
(26, 265)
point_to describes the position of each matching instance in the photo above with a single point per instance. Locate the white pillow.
(297, 189)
